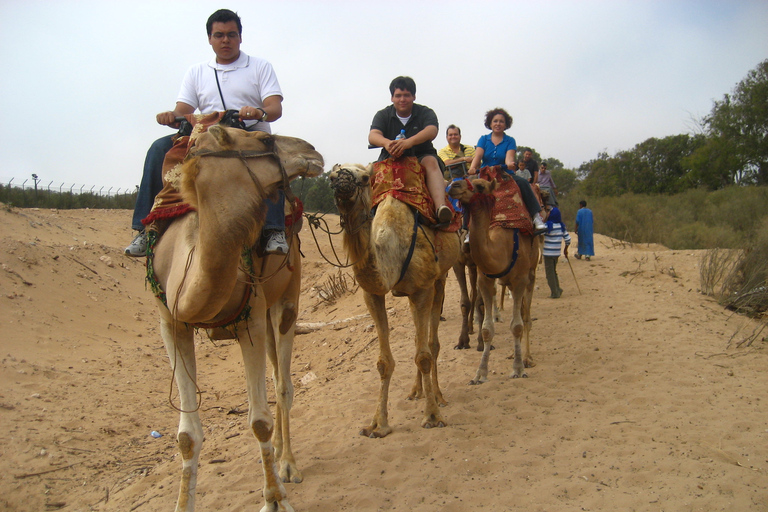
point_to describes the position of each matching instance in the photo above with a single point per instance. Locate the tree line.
(731, 148)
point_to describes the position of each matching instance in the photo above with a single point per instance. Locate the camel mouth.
(314, 168)
(343, 183)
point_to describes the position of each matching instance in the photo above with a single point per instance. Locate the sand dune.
(640, 400)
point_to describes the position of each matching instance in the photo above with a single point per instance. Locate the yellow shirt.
(447, 153)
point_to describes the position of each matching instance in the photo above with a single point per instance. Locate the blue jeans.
(275, 213)
(151, 180)
(152, 184)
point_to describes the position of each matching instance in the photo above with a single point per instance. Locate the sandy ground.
(641, 398)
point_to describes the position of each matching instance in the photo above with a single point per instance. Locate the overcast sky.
(82, 81)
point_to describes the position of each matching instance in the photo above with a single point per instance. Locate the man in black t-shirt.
(421, 128)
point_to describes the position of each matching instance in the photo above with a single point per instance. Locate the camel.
(379, 247)
(493, 252)
(197, 264)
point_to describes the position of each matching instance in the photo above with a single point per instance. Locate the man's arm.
(273, 106)
(396, 148)
(169, 118)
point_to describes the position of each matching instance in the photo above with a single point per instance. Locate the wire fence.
(34, 194)
(35, 183)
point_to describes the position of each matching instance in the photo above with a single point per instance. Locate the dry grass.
(336, 286)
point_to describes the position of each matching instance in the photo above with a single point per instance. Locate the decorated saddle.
(404, 179)
(168, 203)
(509, 211)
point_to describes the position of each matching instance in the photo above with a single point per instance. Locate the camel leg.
(379, 426)
(420, 302)
(472, 297)
(283, 315)
(434, 340)
(253, 347)
(466, 306)
(485, 286)
(527, 322)
(517, 327)
(180, 344)
(496, 313)
(480, 312)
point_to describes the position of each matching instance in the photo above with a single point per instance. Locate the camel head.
(478, 192)
(464, 190)
(225, 146)
(349, 181)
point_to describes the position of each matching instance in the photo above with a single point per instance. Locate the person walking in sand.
(553, 240)
(584, 232)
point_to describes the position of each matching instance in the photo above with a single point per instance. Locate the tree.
(740, 121)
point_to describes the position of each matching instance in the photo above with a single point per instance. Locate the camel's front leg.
(421, 304)
(434, 340)
(252, 345)
(466, 306)
(180, 344)
(280, 348)
(517, 327)
(379, 426)
(527, 323)
(487, 330)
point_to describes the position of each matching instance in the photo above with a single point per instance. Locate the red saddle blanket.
(509, 211)
(168, 203)
(405, 179)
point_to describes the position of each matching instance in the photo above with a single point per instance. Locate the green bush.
(732, 217)
(30, 198)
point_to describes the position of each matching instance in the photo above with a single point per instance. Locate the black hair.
(404, 83)
(583, 203)
(493, 113)
(453, 127)
(223, 16)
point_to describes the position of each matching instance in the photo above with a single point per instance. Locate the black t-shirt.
(389, 124)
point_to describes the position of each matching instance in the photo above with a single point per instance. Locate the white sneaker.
(276, 243)
(538, 223)
(138, 247)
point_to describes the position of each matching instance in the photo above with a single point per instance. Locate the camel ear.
(493, 185)
(221, 135)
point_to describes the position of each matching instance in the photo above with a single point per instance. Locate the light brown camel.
(197, 262)
(493, 252)
(379, 247)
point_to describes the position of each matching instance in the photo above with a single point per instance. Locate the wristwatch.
(264, 115)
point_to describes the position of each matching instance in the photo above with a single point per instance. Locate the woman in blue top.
(498, 148)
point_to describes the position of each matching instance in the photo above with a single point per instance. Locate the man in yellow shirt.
(455, 152)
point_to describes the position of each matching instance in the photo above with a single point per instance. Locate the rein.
(511, 264)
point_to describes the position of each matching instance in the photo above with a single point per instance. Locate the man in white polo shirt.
(232, 80)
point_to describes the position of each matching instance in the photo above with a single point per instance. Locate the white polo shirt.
(246, 82)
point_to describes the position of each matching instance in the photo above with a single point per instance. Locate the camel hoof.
(433, 424)
(530, 363)
(274, 506)
(461, 346)
(521, 376)
(290, 474)
(375, 434)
